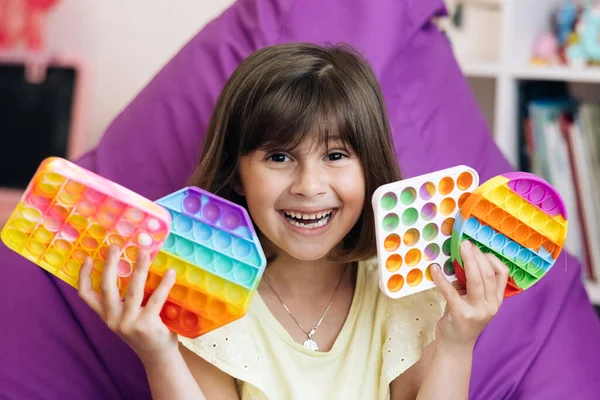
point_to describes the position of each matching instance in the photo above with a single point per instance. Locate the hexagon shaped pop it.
(519, 218)
(217, 258)
(68, 213)
(414, 219)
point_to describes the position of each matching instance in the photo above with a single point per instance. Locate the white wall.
(124, 43)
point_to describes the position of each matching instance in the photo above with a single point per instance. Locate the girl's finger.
(135, 291)
(157, 299)
(488, 276)
(475, 291)
(86, 292)
(502, 272)
(446, 288)
(108, 286)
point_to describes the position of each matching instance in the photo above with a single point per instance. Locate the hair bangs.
(306, 109)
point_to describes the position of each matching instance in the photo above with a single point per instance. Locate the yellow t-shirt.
(380, 339)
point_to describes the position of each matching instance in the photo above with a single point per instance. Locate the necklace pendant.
(311, 345)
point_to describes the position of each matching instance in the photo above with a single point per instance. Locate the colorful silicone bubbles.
(519, 218)
(414, 220)
(68, 213)
(217, 257)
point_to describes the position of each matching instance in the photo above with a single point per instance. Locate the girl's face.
(304, 201)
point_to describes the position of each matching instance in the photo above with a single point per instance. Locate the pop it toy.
(218, 261)
(414, 220)
(68, 213)
(519, 218)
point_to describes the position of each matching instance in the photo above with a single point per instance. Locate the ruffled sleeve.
(409, 327)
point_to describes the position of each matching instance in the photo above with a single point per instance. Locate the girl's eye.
(278, 158)
(336, 156)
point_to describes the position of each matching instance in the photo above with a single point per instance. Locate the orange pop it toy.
(68, 213)
(414, 219)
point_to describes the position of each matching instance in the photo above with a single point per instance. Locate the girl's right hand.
(139, 326)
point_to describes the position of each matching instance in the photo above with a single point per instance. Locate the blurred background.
(533, 66)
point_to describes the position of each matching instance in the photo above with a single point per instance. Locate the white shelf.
(593, 291)
(558, 73)
(474, 69)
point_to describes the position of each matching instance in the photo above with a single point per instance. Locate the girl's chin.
(305, 253)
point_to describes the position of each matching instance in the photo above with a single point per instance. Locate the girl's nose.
(310, 180)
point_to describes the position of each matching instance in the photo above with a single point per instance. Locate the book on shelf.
(561, 143)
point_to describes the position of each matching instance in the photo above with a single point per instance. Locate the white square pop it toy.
(413, 224)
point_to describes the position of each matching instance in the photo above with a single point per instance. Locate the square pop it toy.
(217, 257)
(68, 213)
(414, 219)
(520, 219)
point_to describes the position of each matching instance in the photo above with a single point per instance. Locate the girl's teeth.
(319, 224)
(323, 221)
(298, 215)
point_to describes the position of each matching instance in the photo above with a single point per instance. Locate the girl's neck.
(304, 279)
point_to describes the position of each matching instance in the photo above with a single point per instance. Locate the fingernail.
(435, 268)
(467, 244)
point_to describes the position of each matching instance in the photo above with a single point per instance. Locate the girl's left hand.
(467, 314)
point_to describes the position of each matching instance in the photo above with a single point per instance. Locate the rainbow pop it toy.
(414, 219)
(218, 261)
(519, 218)
(68, 213)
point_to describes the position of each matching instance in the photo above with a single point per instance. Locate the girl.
(300, 137)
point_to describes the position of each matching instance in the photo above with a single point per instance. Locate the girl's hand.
(140, 327)
(467, 314)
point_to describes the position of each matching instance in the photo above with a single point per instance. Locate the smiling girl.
(300, 137)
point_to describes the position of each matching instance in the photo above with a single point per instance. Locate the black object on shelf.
(35, 119)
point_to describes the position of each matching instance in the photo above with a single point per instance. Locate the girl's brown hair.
(282, 94)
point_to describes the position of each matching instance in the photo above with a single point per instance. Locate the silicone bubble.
(429, 211)
(413, 257)
(465, 180)
(395, 283)
(411, 237)
(446, 186)
(393, 263)
(427, 191)
(414, 277)
(410, 217)
(430, 232)
(448, 206)
(389, 201)
(390, 222)
(392, 242)
(408, 196)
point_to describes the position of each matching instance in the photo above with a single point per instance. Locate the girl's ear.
(237, 187)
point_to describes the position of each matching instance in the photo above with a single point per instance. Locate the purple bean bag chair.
(545, 342)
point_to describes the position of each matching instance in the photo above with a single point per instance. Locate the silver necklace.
(309, 343)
